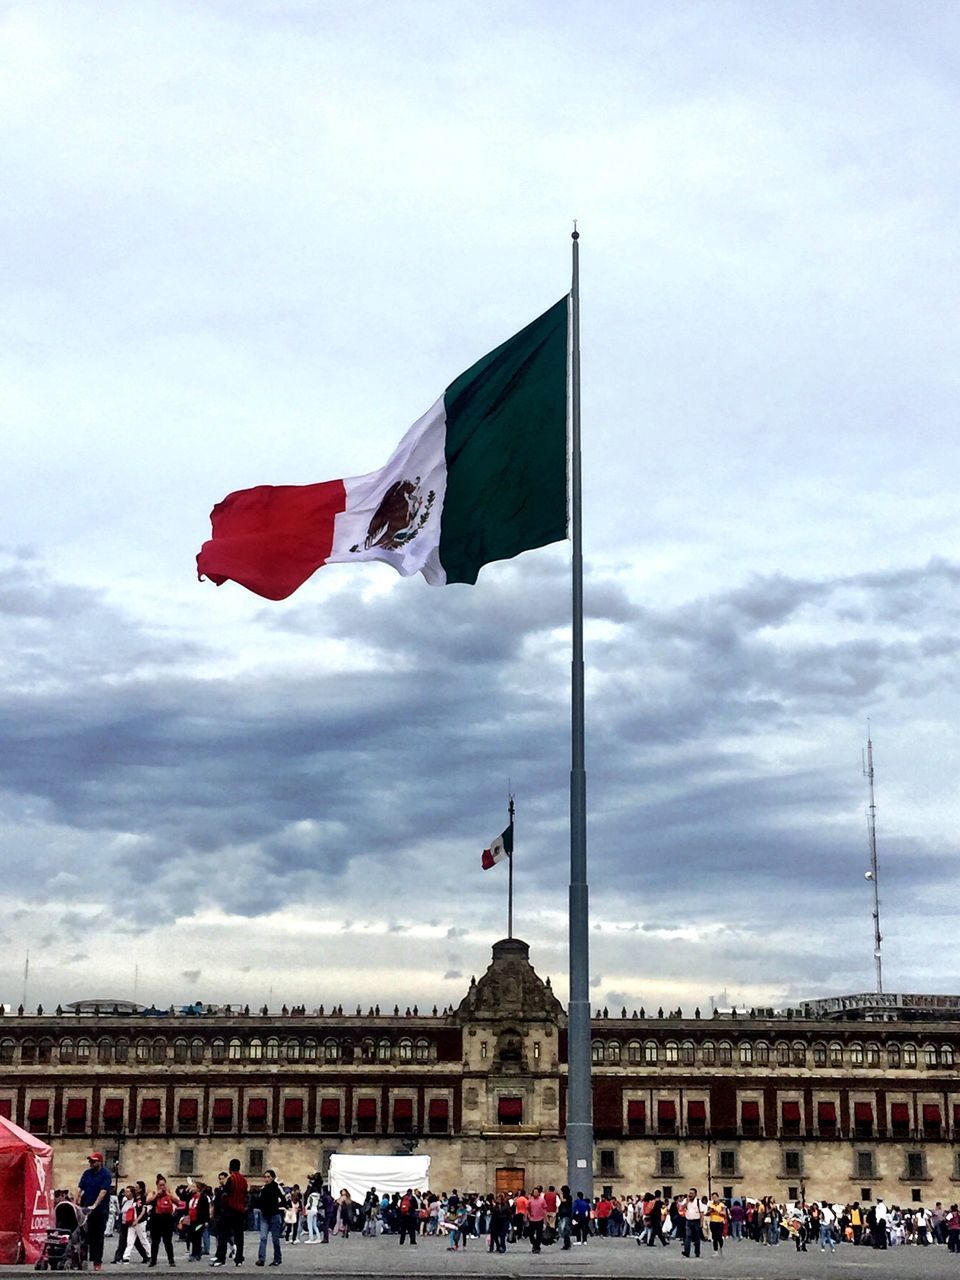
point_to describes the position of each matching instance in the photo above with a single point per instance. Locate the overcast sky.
(248, 243)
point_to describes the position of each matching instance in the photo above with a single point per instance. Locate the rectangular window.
(696, 1118)
(727, 1162)
(793, 1162)
(666, 1116)
(188, 1110)
(403, 1115)
(863, 1119)
(900, 1119)
(257, 1114)
(255, 1161)
(790, 1119)
(149, 1115)
(366, 1115)
(329, 1115)
(76, 1117)
(865, 1167)
(608, 1160)
(112, 1115)
(932, 1124)
(915, 1167)
(636, 1117)
(292, 1115)
(185, 1160)
(827, 1119)
(667, 1162)
(38, 1115)
(222, 1114)
(6, 1108)
(438, 1115)
(509, 1111)
(750, 1118)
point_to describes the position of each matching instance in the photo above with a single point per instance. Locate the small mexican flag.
(481, 476)
(502, 847)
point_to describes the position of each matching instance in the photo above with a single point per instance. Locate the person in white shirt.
(827, 1219)
(691, 1210)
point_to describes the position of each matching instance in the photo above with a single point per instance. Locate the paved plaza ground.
(597, 1260)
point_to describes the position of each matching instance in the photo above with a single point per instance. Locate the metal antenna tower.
(872, 873)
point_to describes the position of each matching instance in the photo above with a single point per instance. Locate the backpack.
(406, 1204)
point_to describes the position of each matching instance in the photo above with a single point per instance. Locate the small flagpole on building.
(510, 870)
(579, 1088)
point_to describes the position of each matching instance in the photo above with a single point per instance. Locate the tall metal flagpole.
(873, 873)
(579, 1090)
(510, 872)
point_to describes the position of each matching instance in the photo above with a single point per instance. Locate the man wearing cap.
(95, 1187)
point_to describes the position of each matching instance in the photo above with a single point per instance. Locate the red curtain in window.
(403, 1108)
(696, 1112)
(636, 1112)
(150, 1109)
(187, 1109)
(257, 1109)
(827, 1114)
(113, 1109)
(223, 1108)
(863, 1112)
(750, 1112)
(38, 1110)
(900, 1115)
(76, 1109)
(439, 1109)
(330, 1109)
(293, 1108)
(6, 1108)
(791, 1113)
(931, 1115)
(510, 1110)
(956, 1118)
(366, 1108)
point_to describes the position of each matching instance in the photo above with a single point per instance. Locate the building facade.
(849, 1098)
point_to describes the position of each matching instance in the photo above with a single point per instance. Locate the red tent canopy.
(26, 1193)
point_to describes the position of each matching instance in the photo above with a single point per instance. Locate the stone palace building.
(847, 1098)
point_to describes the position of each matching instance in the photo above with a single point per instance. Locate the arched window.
(84, 1050)
(687, 1053)
(783, 1054)
(726, 1053)
(819, 1054)
(273, 1049)
(746, 1053)
(423, 1050)
(946, 1055)
(368, 1051)
(346, 1050)
(218, 1050)
(708, 1053)
(405, 1051)
(799, 1053)
(671, 1051)
(836, 1054)
(293, 1051)
(143, 1050)
(180, 1050)
(121, 1051)
(762, 1054)
(383, 1050)
(66, 1051)
(7, 1049)
(235, 1051)
(45, 1051)
(28, 1053)
(929, 1055)
(196, 1050)
(634, 1051)
(893, 1055)
(256, 1051)
(596, 1050)
(309, 1049)
(650, 1053)
(331, 1050)
(158, 1051)
(104, 1051)
(873, 1055)
(856, 1054)
(909, 1055)
(614, 1050)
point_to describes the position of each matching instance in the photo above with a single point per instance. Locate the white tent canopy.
(357, 1174)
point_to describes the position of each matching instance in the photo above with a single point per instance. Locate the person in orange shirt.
(520, 1206)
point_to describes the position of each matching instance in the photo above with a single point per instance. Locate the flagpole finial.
(575, 234)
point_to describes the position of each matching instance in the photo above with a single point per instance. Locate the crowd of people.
(212, 1222)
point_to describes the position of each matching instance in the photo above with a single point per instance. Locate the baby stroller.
(65, 1248)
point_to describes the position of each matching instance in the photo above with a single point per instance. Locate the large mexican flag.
(481, 476)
